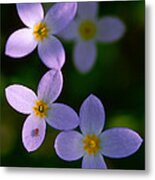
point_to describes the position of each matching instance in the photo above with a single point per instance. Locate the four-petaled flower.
(93, 143)
(40, 31)
(41, 109)
(86, 29)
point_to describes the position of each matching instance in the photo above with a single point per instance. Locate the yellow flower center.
(40, 31)
(91, 144)
(40, 109)
(87, 29)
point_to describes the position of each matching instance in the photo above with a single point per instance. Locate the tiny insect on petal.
(35, 132)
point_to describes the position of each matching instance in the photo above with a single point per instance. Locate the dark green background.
(117, 78)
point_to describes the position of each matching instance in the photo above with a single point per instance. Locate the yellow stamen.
(40, 31)
(91, 144)
(40, 109)
(87, 30)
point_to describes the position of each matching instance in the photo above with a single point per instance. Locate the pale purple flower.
(41, 109)
(92, 144)
(86, 30)
(40, 31)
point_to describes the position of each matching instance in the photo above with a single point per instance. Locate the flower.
(93, 143)
(87, 29)
(40, 31)
(41, 109)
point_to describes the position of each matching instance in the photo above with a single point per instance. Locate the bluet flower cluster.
(91, 143)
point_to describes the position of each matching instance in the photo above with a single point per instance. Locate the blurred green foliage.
(117, 78)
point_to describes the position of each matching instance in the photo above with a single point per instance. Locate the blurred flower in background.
(87, 29)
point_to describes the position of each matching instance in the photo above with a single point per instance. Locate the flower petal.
(92, 116)
(20, 98)
(62, 117)
(30, 13)
(93, 162)
(20, 43)
(70, 32)
(110, 29)
(84, 56)
(52, 53)
(60, 15)
(120, 142)
(87, 9)
(69, 145)
(50, 86)
(33, 133)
